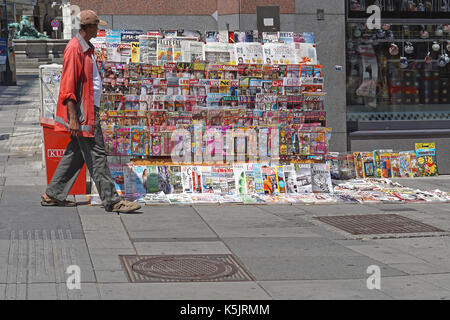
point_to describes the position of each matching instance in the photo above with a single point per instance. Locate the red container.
(55, 143)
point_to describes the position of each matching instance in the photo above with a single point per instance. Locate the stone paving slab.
(355, 289)
(412, 287)
(179, 248)
(184, 291)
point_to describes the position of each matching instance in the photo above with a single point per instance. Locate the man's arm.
(74, 123)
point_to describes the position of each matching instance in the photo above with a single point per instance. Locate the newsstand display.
(234, 117)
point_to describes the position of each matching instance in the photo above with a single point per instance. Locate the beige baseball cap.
(90, 17)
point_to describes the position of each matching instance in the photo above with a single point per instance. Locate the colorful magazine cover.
(270, 180)
(176, 179)
(207, 181)
(118, 177)
(359, 166)
(281, 183)
(368, 164)
(321, 178)
(123, 139)
(426, 159)
(137, 141)
(414, 164)
(239, 174)
(250, 178)
(385, 164)
(188, 179)
(404, 164)
(164, 180)
(259, 180)
(395, 165)
(152, 179)
(377, 161)
(332, 158)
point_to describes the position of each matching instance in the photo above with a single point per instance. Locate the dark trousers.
(79, 151)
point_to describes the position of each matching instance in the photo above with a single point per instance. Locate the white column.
(67, 19)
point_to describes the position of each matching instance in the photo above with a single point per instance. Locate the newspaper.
(249, 52)
(279, 53)
(219, 53)
(148, 49)
(305, 53)
(191, 51)
(165, 51)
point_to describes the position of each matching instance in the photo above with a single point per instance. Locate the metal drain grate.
(183, 268)
(377, 224)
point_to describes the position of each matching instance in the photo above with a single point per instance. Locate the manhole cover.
(181, 268)
(377, 224)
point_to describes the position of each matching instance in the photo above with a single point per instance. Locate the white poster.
(279, 53)
(305, 53)
(249, 52)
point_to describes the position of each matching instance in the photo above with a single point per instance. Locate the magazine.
(385, 164)
(112, 45)
(180, 199)
(368, 164)
(404, 164)
(250, 178)
(201, 198)
(152, 179)
(259, 181)
(414, 164)
(303, 173)
(239, 174)
(321, 178)
(99, 43)
(290, 178)
(426, 159)
(395, 165)
(230, 199)
(176, 179)
(118, 177)
(207, 186)
(165, 51)
(164, 180)
(156, 199)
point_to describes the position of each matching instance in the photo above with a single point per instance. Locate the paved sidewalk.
(286, 253)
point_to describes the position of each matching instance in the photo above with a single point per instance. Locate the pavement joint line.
(238, 261)
(97, 284)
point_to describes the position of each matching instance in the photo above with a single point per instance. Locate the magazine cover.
(156, 199)
(377, 161)
(395, 165)
(385, 164)
(359, 165)
(303, 175)
(321, 178)
(250, 178)
(112, 45)
(197, 179)
(332, 158)
(426, 159)
(137, 141)
(187, 179)
(281, 183)
(404, 164)
(117, 175)
(259, 181)
(122, 138)
(130, 179)
(180, 199)
(164, 180)
(230, 199)
(270, 37)
(239, 174)
(152, 179)
(165, 51)
(414, 164)
(270, 180)
(207, 181)
(141, 173)
(368, 164)
(176, 179)
(99, 43)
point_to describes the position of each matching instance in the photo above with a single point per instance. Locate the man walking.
(77, 113)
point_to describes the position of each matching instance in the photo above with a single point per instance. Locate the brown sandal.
(56, 203)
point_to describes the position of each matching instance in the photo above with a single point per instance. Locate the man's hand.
(74, 123)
